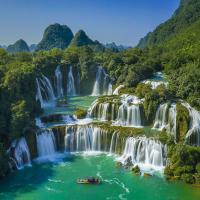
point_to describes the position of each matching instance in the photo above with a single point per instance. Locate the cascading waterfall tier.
(129, 115)
(145, 152)
(102, 83)
(86, 138)
(19, 151)
(71, 89)
(59, 86)
(156, 80)
(123, 112)
(103, 111)
(93, 139)
(45, 93)
(166, 118)
(142, 151)
(155, 84)
(46, 144)
(193, 134)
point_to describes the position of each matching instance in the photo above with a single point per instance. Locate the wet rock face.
(30, 136)
(19, 152)
(128, 162)
(4, 167)
(136, 170)
(12, 152)
(51, 118)
(59, 133)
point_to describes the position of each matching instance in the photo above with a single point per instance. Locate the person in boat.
(92, 180)
(88, 180)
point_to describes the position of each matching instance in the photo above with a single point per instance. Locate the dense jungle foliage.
(177, 42)
(18, 73)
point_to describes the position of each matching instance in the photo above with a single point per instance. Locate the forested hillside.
(177, 42)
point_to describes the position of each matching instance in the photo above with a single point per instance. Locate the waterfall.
(129, 116)
(96, 88)
(161, 117)
(20, 152)
(133, 116)
(171, 127)
(102, 111)
(92, 108)
(155, 84)
(157, 80)
(45, 93)
(46, 145)
(166, 118)
(71, 90)
(38, 122)
(110, 91)
(102, 83)
(126, 114)
(116, 91)
(39, 94)
(193, 134)
(144, 152)
(114, 142)
(129, 112)
(59, 87)
(85, 138)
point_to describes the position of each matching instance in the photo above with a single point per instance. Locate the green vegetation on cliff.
(184, 162)
(178, 43)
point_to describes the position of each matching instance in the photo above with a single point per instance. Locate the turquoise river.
(57, 181)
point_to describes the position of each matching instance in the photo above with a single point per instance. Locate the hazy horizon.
(122, 22)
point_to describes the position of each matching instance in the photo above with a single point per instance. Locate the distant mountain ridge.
(33, 47)
(18, 46)
(116, 48)
(61, 37)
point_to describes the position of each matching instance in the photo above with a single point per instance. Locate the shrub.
(188, 178)
(80, 113)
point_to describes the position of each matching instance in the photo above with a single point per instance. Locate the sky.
(120, 21)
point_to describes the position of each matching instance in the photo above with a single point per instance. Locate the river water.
(57, 181)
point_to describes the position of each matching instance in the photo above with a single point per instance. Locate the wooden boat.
(88, 181)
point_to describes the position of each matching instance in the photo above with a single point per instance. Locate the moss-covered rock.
(80, 113)
(182, 122)
(59, 132)
(147, 174)
(136, 170)
(151, 104)
(30, 135)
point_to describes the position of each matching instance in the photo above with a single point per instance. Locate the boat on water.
(88, 181)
